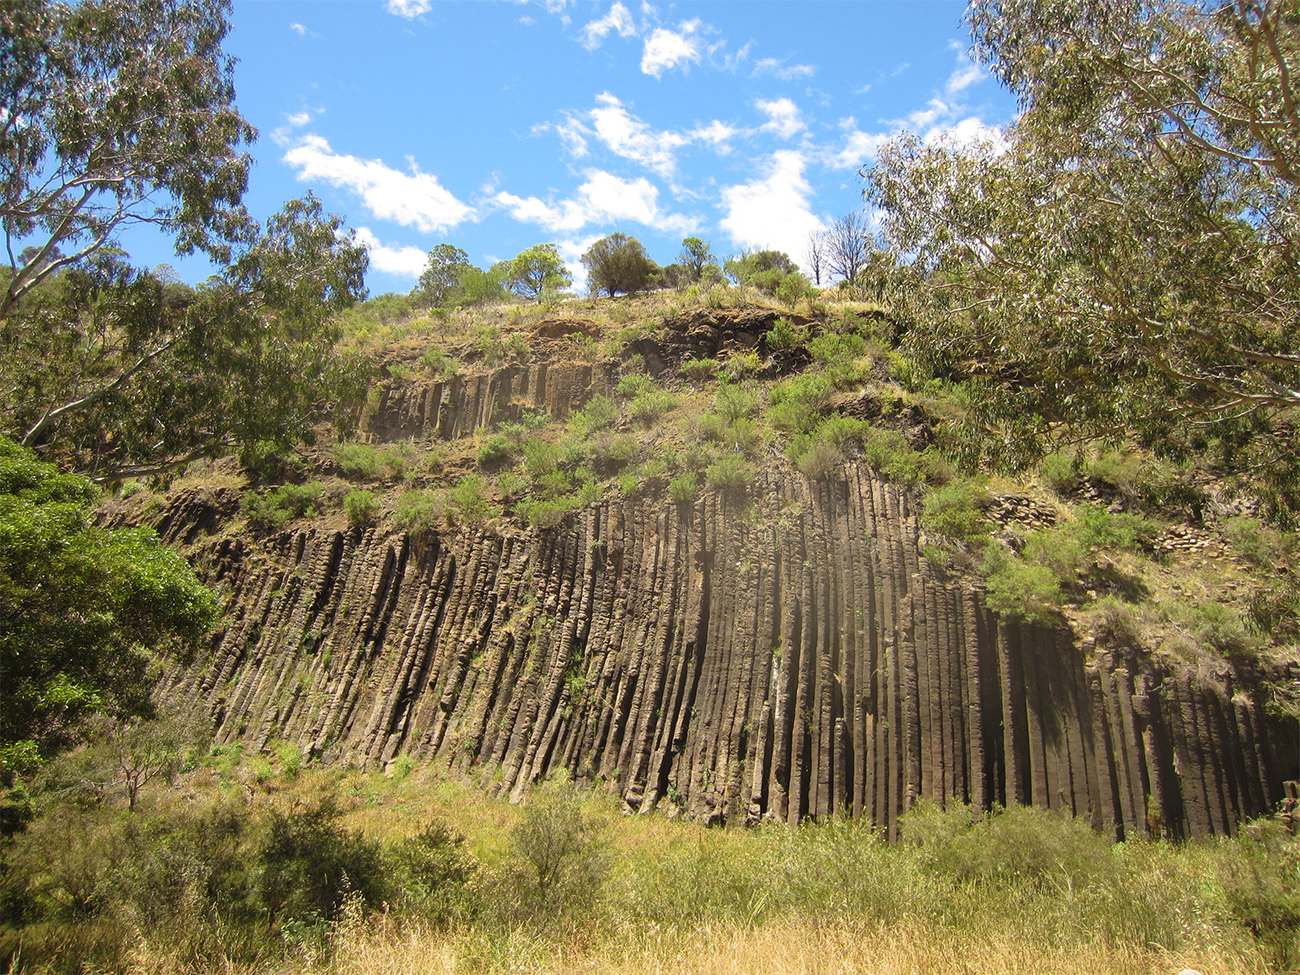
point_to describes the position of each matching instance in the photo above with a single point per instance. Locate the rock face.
(784, 653)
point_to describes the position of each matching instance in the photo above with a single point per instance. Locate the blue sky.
(494, 126)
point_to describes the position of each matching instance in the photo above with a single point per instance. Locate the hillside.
(712, 553)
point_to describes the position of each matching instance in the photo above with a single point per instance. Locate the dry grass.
(788, 946)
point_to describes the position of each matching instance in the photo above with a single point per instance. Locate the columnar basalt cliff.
(783, 652)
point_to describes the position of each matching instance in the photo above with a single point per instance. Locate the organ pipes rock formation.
(783, 652)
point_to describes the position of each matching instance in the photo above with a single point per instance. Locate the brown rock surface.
(788, 654)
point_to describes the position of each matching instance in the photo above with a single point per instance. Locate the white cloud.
(666, 49)
(299, 28)
(409, 8)
(299, 119)
(717, 134)
(965, 76)
(604, 198)
(968, 132)
(618, 19)
(857, 148)
(406, 262)
(411, 199)
(772, 212)
(783, 71)
(631, 138)
(572, 251)
(783, 115)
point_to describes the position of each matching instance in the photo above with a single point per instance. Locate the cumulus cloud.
(412, 199)
(666, 49)
(626, 135)
(409, 8)
(783, 117)
(772, 212)
(298, 119)
(604, 198)
(406, 262)
(855, 148)
(961, 79)
(630, 137)
(299, 28)
(716, 134)
(786, 72)
(618, 19)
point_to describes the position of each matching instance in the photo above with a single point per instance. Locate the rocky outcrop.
(784, 653)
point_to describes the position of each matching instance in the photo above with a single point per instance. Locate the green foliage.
(309, 862)
(697, 261)
(954, 511)
(152, 82)
(496, 450)
(537, 274)
(82, 610)
(418, 511)
(272, 510)
(730, 473)
(633, 384)
(468, 498)
(618, 263)
(1019, 588)
(101, 371)
(439, 363)
(888, 452)
(649, 406)
(558, 865)
(362, 460)
(684, 488)
(784, 335)
(1128, 228)
(361, 506)
(735, 402)
(700, 370)
(599, 413)
(435, 874)
(441, 274)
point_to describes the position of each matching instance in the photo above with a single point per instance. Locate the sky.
(494, 125)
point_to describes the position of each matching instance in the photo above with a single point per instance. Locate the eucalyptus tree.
(116, 113)
(1124, 259)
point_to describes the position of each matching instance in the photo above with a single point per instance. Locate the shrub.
(633, 384)
(1060, 472)
(360, 506)
(496, 450)
(741, 364)
(734, 402)
(649, 406)
(439, 363)
(540, 457)
(954, 512)
(275, 509)
(419, 510)
(784, 335)
(434, 872)
(489, 343)
(360, 460)
(549, 512)
(468, 498)
(558, 866)
(684, 487)
(730, 473)
(1018, 588)
(309, 863)
(820, 461)
(1095, 528)
(598, 413)
(700, 370)
(1258, 544)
